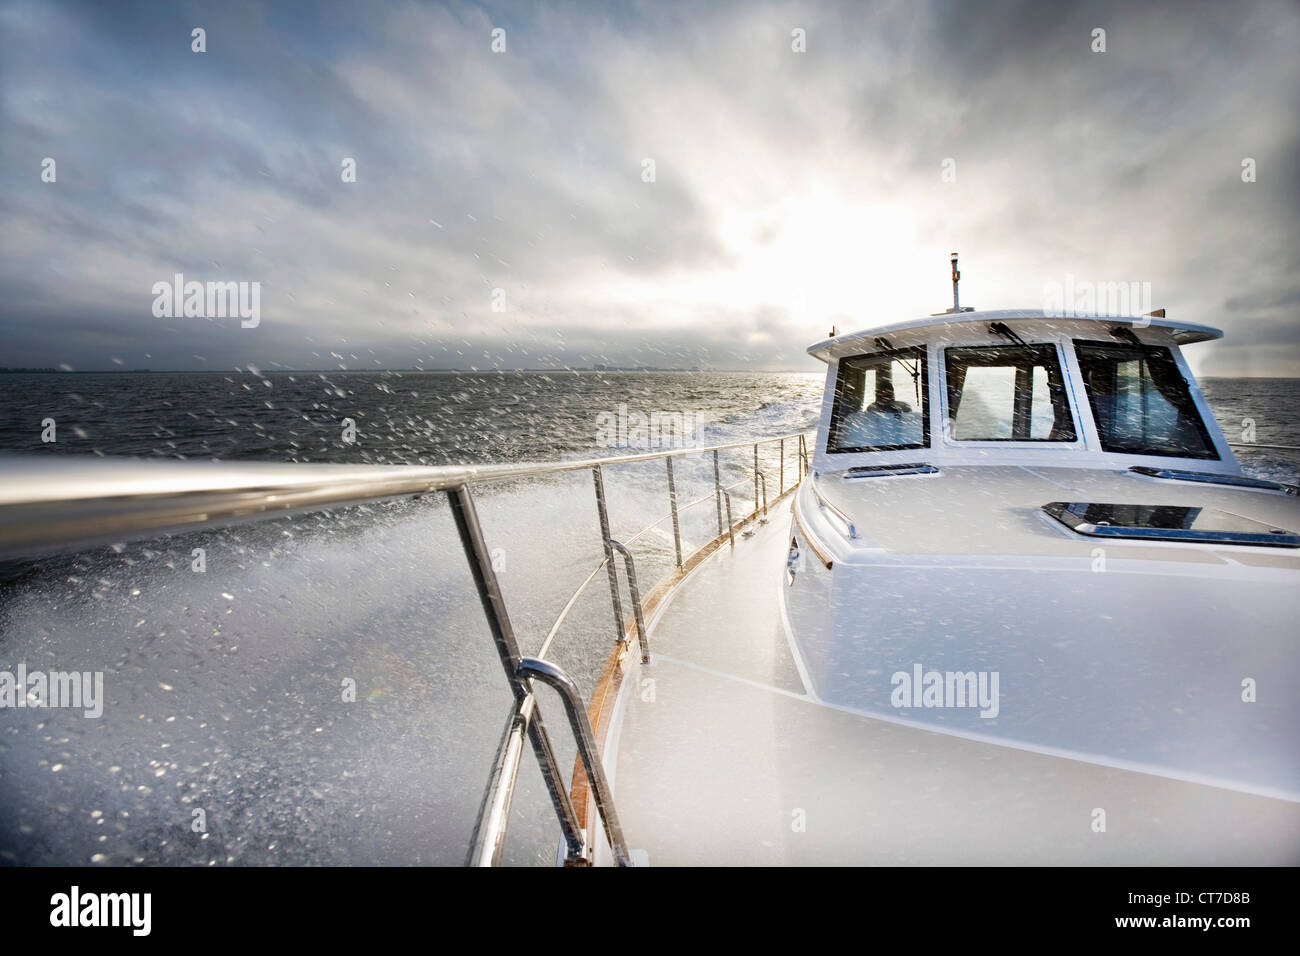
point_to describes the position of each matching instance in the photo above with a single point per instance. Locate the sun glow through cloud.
(792, 191)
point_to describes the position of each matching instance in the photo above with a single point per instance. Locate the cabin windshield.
(1141, 402)
(1007, 393)
(881, 403)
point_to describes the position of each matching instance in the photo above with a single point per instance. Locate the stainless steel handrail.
(573, 599)
(717, 489)
(493, 819)
(850, 530)
(490, 825)
(547, 673)
(503, 636)
(672, 505)
(635, 592)
(603, 514)
(59, 503)
(53, 502)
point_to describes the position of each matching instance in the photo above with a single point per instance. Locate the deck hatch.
(1168, 523)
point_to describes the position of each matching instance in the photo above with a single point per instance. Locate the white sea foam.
(227, 687)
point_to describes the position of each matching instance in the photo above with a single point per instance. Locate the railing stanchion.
(717, 491)
(615, 598)
(730, 534)
(635, 591)
(503, 636)
(781, 481)
(755, 479)
(551, 675)
(672, 503)
(489, 839)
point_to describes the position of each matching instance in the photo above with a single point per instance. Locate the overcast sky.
(792, 190)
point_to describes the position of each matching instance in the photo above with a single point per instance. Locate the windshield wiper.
(1004, 330)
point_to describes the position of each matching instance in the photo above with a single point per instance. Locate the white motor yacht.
(1024, 608)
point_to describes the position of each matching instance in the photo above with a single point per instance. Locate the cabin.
(1049, 500)
(1018, 387)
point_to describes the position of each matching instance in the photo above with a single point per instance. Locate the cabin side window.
(881, 403)
(1141, 402)
(1007, 393)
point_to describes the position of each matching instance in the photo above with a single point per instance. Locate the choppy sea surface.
(228, 735)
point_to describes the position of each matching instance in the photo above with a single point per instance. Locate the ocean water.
(427, 418)
(225, 737)
(224, 688)
(1264, 410)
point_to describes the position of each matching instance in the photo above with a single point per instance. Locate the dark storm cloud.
(791, 191)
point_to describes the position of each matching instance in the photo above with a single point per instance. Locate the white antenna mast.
(956, 300)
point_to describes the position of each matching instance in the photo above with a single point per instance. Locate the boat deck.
(726, 759)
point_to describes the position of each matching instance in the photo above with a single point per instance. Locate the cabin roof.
(1185, 333)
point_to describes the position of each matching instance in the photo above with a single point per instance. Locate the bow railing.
(52, 504)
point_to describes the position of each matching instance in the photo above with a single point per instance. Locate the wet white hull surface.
(728, 756)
